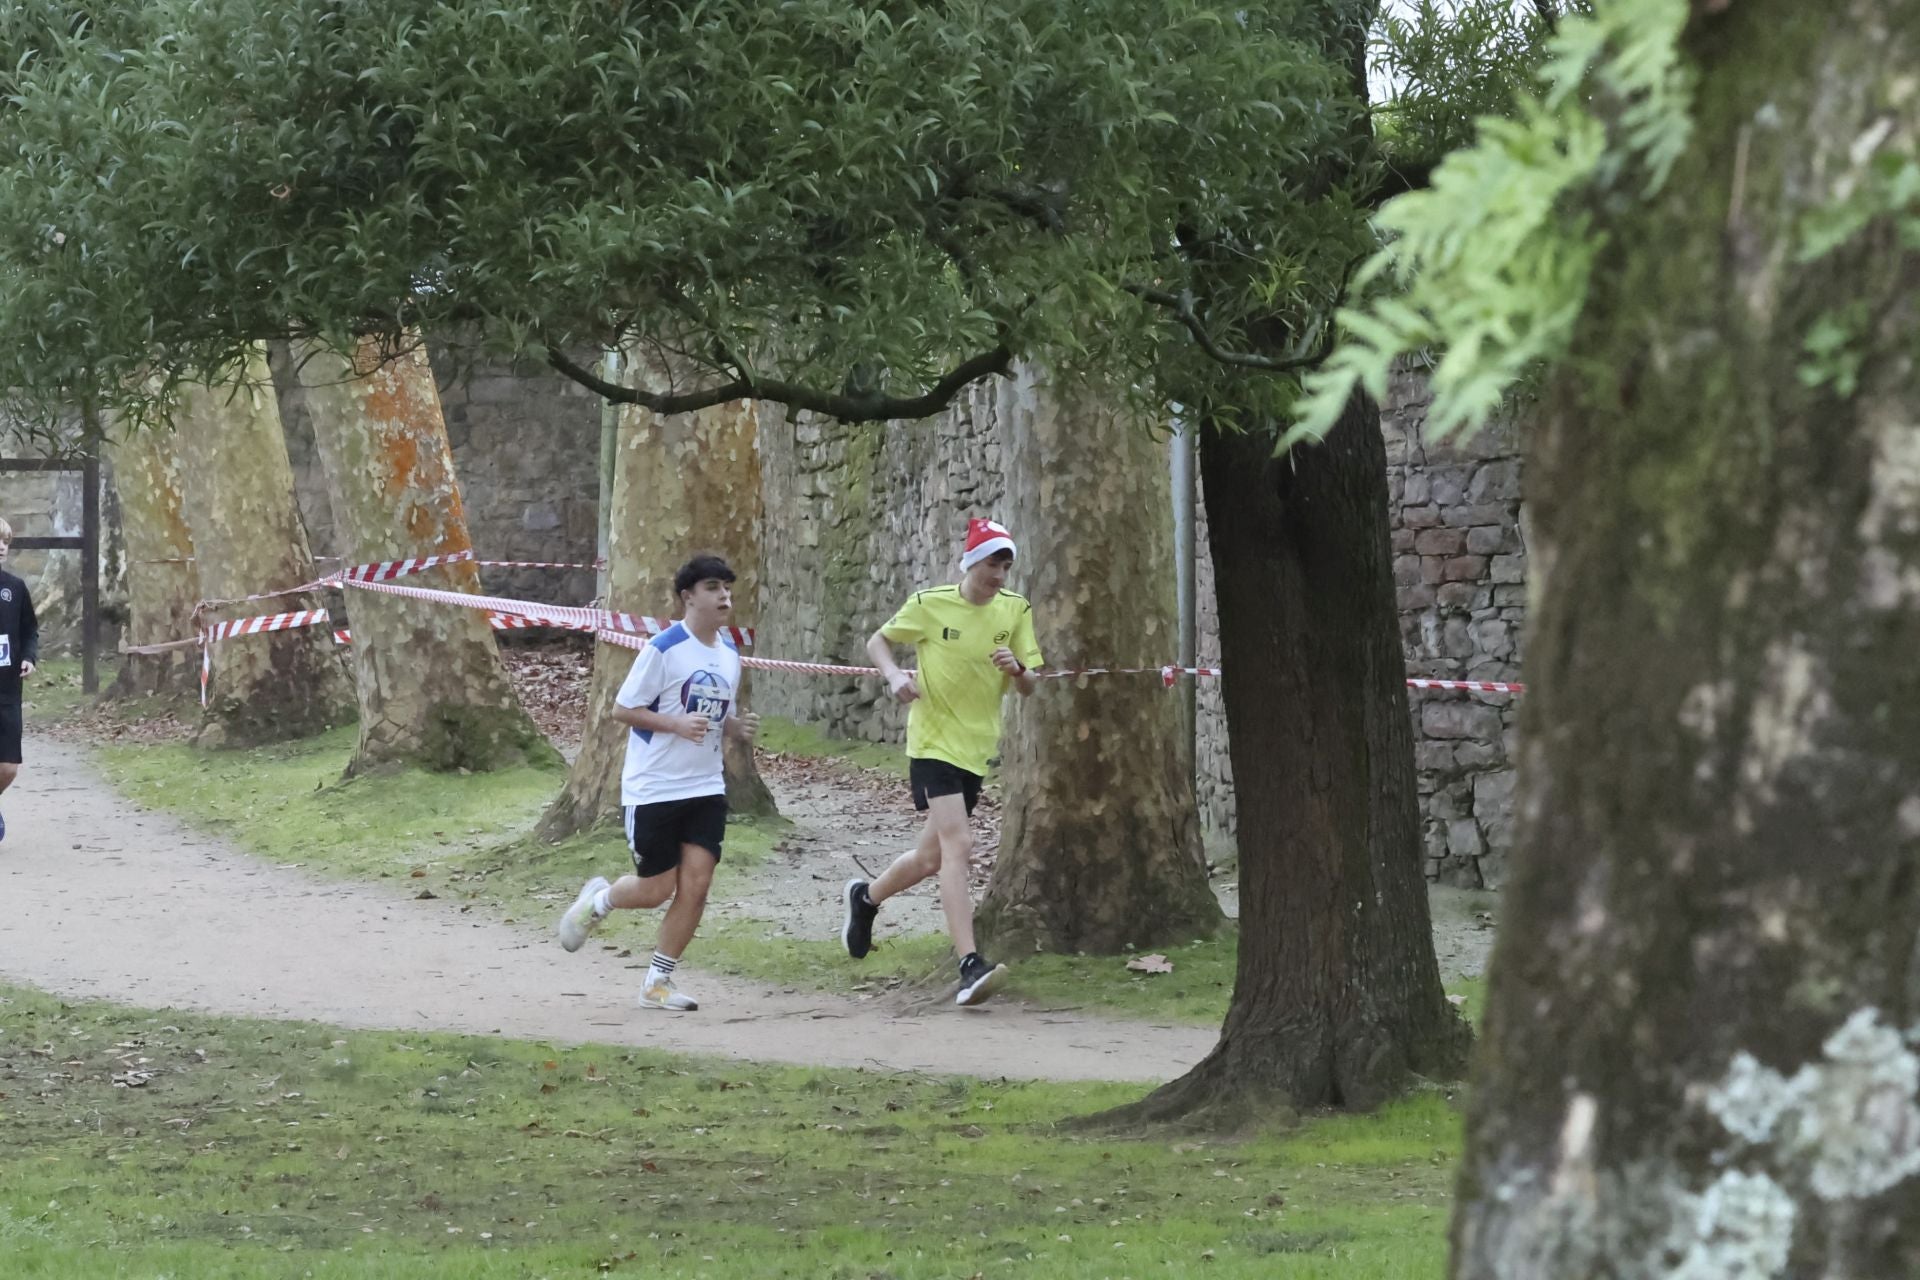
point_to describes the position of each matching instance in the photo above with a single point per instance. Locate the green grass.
(282, 1149)
(1196, 992)
(791, 738)
(451, 834)
(52, 693)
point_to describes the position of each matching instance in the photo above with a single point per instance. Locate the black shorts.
(655, 832)
(930, 778)
(9, 733)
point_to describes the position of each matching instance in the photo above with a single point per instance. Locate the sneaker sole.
(645, 1003)
(982, 990)
(846, 928)
(585, 896)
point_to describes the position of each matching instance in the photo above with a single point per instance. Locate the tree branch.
(1399, 179)
(845, 407)
(1181, 304)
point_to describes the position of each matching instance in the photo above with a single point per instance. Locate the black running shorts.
(656, 831)
(930, 778)
(9, 733)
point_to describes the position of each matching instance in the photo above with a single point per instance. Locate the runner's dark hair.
(698, 570)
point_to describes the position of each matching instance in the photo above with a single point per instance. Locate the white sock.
(662, 968)
(602, 900)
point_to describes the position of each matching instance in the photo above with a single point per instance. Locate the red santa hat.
(984, 537)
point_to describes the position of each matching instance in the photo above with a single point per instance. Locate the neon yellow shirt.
(957, 716)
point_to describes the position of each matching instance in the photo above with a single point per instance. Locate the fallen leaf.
(1150, 964)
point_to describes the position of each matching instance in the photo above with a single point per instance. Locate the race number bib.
(6, 649)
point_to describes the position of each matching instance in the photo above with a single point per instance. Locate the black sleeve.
(29, 629)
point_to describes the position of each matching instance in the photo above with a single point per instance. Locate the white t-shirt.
(676, 674)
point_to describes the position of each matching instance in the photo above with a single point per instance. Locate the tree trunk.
(163, 581)
(433, 692)
(1718, 857)
(1337, 998)
(681, 485)
(247, 537)
(1100, 837)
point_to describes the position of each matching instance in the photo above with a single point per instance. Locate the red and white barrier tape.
(382, 570)
(1470, 686)
(374, 571)
(626, 630)
(498, 621)
(595, 565)
(1169, 675)
(570, 616)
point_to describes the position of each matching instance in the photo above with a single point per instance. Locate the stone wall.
(1460, 562)
(857, 517)
(1460, 565)
(526, 449)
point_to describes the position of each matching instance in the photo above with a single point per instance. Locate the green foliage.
(792, 190)
(1445, 65)
(1493, 260)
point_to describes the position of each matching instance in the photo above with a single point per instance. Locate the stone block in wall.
(1459, 718)
(1495, 482)
(1492, 638)
(1450, 485)
(1508, 569)
(1489, 539)
(1464, 841)
(541, 517)
(1441, 542)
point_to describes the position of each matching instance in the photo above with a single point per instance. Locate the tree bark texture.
(1699, 1051)
(1337, 998)
(1100, 836)
(682, 484)
(433, 692)
(163, 580)
(247, 537)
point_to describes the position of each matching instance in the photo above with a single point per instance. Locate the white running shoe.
(580, 920)
(664, 995)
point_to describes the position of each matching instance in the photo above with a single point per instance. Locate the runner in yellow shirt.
(973, 641)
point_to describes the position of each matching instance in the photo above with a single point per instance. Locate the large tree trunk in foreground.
(1718, 857)
(1337, 998)
(682, 485)
(1100, 837)
(163, 582)
(248, 538)
(433, 692)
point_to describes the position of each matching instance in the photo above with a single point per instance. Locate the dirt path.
(101, 900)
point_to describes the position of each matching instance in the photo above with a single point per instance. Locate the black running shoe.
(979, 979)
(857, 932)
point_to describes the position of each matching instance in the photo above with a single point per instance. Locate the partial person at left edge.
(19, 654)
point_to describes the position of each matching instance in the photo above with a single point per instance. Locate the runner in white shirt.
(677, 704)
